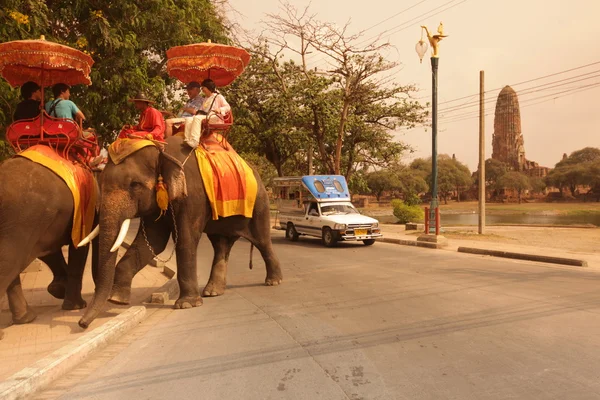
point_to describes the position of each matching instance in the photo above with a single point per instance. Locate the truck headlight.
(375, 225)
(339, 227)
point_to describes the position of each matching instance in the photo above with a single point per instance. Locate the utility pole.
(310, 158)
(481, 154)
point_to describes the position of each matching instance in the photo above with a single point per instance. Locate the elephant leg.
(187, 277)
(274, 275)
(75, 268)
(138, 256)
(218, 274)
(260, 236)
(21, 312)
(58, 266)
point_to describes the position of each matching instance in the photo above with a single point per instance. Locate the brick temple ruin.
(508, 145)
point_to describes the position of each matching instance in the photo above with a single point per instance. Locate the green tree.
(348, 110)
(537, 185)
(382, 181)
(515, 181)
(127, 39)
(412, 185)
(452, 174)
(575, 170)
(266, 108)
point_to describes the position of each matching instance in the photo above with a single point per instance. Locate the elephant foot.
(29, 316)
(273, 280)
(74, 305)
(188, 302)
(120, 295)
(57, 289)
(213, 289)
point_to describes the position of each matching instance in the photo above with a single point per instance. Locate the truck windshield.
(331, 209)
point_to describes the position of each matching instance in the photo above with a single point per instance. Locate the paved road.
(356, 322)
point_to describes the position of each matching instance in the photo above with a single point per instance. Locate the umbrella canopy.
(43, 62)
(196, 62)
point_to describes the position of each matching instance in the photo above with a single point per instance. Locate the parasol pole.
(42, 104)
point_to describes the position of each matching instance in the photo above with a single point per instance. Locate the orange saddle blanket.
(81, 183)
(229, 181)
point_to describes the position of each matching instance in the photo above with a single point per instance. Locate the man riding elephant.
(151, 121)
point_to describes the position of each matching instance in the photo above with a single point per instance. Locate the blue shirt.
(195, 103)
(64, 109)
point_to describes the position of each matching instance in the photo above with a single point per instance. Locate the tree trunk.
(340, 137)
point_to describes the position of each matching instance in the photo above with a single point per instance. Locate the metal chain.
(175, 234)
(175, 237)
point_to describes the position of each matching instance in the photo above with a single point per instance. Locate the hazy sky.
(511, 40)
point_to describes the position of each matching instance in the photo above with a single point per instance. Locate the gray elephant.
(128, 191)
(36, 217)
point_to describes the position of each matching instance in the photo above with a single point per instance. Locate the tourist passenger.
(188, 111)
(214, 107)
(151, 121)
(30, 106)
(214, 102)
(61, 106)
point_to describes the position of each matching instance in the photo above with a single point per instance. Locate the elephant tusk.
(90, 237)
(121, 237)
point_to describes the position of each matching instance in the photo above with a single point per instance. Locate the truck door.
(312, 221)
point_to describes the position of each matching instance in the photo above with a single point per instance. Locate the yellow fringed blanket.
(80, 181)
(229, 182)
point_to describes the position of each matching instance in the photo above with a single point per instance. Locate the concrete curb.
(41, 374)
(407, 242)
(523, 256)
(493, 253)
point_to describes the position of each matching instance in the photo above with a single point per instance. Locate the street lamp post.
(421, 49)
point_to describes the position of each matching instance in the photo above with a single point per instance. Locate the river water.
(510, 219)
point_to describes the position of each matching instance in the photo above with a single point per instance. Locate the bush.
(405, 213)
(412, 199)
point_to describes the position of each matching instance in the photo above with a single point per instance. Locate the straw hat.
(142, 97)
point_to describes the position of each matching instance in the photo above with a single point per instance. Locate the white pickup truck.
(319, 206)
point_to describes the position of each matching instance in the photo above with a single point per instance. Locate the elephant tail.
(251, 250)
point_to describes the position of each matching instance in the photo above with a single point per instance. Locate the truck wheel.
(329, 239)
(290, 233)
(369, 242)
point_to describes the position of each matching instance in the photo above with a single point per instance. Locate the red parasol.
(43, 62)
(196, 62)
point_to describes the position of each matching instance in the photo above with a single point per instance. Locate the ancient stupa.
(508, 144)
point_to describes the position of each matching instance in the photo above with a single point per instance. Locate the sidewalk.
(554, 242)
(25, 344)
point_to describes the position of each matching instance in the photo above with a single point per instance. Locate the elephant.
(128, 191)
(36, 217)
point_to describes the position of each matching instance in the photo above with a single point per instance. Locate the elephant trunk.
(105, 274)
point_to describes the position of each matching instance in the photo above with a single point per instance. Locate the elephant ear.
(173, 176)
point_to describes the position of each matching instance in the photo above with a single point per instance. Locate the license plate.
(360, 232)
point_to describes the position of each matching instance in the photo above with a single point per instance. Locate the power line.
(393, 16)
(567, 93)
(406, 24)
(504, 109)
(527, 81)
(526, 91)
(551, 95)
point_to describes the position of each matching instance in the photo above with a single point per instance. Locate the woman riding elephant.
(128, 191)
(36, 220)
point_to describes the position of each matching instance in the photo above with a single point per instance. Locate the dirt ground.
(585, 240)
